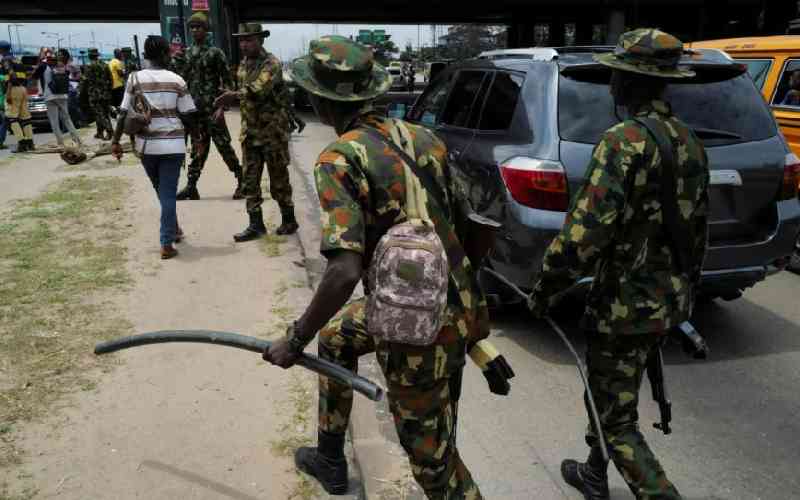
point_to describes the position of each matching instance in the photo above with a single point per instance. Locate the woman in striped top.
(162, 145)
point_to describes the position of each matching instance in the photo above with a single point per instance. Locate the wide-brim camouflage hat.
(251, 29)
(647, 51)
(340, 69)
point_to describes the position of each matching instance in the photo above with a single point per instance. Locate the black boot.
(255, 230)
(590, 478)
(288, 222)
(326, 462)
(30, 146)
(189, 192)
(300, 126)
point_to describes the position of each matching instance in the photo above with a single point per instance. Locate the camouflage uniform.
(362, 194)
(98, 85)
(207, 75)
(295, 122)
(265, 130)
(614, 232)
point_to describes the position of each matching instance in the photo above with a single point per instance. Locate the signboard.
(199, 5)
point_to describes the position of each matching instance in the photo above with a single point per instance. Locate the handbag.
(139, 113)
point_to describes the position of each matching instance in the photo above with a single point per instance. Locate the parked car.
(520, 132)
(771, 61)
(398, 82)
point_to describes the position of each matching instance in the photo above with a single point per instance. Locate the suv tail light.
(536, 183)
(791, 177)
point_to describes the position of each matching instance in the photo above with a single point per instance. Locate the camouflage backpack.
(409, 274)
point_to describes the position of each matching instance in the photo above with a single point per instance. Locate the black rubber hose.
(313, 363)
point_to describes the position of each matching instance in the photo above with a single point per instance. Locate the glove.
(494, 366)
(537, 307)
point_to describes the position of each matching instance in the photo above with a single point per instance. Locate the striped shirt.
(167, 95)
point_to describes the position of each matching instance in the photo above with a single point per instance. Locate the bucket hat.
(340, 69)
(647, 51)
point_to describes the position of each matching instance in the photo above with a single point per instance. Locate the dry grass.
(57, 253)
(271, 242)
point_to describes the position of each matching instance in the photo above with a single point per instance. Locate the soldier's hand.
(281, 354)
(116, 151)
(219, 115)
(226, 99)
(537, 306)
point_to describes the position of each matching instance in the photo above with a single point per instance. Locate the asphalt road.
(735, 416)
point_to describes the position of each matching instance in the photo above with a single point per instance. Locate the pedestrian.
(362, 187)
(5, 72)
(117, 68)
(162, 145)
(616, 230)
(265, 131)
(129, 62)
(17, 113)
(98, 83)
(56, 87)
(207, 75)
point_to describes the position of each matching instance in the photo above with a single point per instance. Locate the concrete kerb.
(381, 463)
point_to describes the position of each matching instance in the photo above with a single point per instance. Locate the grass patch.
(271, 242)
(57, 253)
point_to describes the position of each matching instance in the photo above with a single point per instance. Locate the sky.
(287, 40)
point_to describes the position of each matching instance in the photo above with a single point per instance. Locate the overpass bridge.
(531, 22)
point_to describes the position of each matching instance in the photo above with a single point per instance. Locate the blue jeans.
(164, 171)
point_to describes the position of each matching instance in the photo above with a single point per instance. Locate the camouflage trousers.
(277, 160)
(616, 366)
(102, 113)
(218, 132)
(419, 398)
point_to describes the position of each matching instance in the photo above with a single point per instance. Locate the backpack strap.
(679, 237)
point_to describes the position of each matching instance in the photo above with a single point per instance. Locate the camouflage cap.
(647, 51)
(340, 69)
(251, 29)
(200, 18)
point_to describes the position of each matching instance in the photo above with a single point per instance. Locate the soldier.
(295, 122)
(207, 75)
(362, 192)
(265, 131)
(98, 85)
(615, 231)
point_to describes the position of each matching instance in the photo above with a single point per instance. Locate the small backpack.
(59, 82)
(409, 275)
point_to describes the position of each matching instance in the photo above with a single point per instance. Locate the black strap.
(425, 177)
(679, 238)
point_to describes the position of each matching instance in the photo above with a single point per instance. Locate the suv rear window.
(732, 108)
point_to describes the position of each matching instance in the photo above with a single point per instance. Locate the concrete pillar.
(616, 26)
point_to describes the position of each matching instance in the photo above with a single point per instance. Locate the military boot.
(288, 222)
(590, 478)
(254, 230)
(326, 462)
(30, 146)
(189, 192)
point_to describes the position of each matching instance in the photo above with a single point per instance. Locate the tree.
(384, 50)
(464, 41)
(408, 54)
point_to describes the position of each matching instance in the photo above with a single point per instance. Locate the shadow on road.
(734, 330)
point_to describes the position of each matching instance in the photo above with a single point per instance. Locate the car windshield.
(721, 109)
(758, 70)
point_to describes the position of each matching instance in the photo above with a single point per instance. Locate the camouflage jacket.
(264, 117)
(207, 75)
(614, 231)
(177, 64)
(98, 81)
(361, 187)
